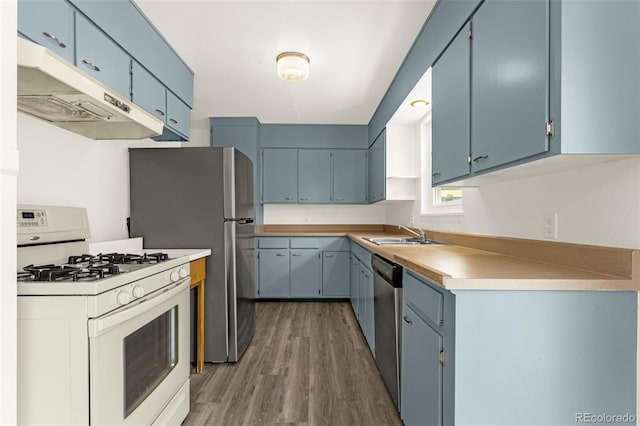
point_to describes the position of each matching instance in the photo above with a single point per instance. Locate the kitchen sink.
(399, 241)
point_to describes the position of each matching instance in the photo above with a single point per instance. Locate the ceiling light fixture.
(419, 103)
(293, 66)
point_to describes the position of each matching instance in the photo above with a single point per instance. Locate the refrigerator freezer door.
(238, 185)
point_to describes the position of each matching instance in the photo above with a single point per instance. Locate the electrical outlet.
(551, 225)
(412, 221)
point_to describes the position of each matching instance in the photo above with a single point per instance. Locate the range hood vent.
(57, 92)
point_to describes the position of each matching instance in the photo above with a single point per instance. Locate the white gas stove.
(116, 323)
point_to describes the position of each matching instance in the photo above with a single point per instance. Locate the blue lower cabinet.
(361, 293)
(305, 273)
(365, 306)
(520, 357)
(335, 274)
(273, 273)
(421, 400)
(353, 283)
(303, 267)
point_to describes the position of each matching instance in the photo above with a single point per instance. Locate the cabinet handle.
(339, 199)
(173, 121)
(54, 38)
(91, 65)
(160, 112)
(288, 198)
(296, 255)
(279, 254)
(304, 199)
(436, 174)
(480, 157)
(407, 320)
(328, 255)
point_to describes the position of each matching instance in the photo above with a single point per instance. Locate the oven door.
(139, 358)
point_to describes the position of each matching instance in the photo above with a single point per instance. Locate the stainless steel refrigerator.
(202, 197)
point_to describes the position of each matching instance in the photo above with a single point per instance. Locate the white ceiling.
(355, 47)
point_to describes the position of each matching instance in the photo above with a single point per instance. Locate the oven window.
(150, 353)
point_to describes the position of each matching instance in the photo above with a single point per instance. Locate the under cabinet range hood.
(53, 90)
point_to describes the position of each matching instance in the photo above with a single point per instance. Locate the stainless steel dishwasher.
(387, 308)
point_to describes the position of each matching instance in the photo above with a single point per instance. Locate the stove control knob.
(123, 298)
(137, 292)
(174, 276)
(184, 273)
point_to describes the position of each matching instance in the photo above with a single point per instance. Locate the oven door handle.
(100, 325)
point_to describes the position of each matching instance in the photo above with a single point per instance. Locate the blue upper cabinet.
(100, 57)
(129, 27)
(178, 116)
(279, 176)
(376, 169)
(147, 92)
(117, 45)
(314, 176)
(350, 176)
(510, 91)
(451, 119)
(49, 23)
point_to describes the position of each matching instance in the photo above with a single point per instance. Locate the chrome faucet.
(420, 234)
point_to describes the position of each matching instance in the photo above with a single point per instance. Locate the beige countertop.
(456, 267)
(193, 254)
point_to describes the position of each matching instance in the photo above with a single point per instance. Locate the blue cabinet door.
(178, 115)
(353, 284)
(362, 305)
(421, 400)
(101, 58)
(48, 23)
(314, 176)
(451, 122)
(335, 274)
(370, 317)
(365, 306)
(350, 176)
(279, 175)
(147, 92)
(510, 90)
(273, 273)
(305, 273)
(376, 169)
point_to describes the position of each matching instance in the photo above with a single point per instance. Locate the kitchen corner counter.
(467, 267)
(462, 268)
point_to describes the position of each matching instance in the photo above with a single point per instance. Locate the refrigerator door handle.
(241, 221)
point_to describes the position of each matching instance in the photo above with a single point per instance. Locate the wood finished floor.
(308, 364)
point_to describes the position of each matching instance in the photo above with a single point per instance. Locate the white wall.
(323, 214)
(61, 168)
(8, 172)
(598, 204)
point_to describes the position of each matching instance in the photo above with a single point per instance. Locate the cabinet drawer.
(304, 242)
(425, 299)
(277, 243)
(363, 255)
(323, 243)
(198, 272)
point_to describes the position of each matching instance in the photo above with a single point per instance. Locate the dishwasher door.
(387, 305)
